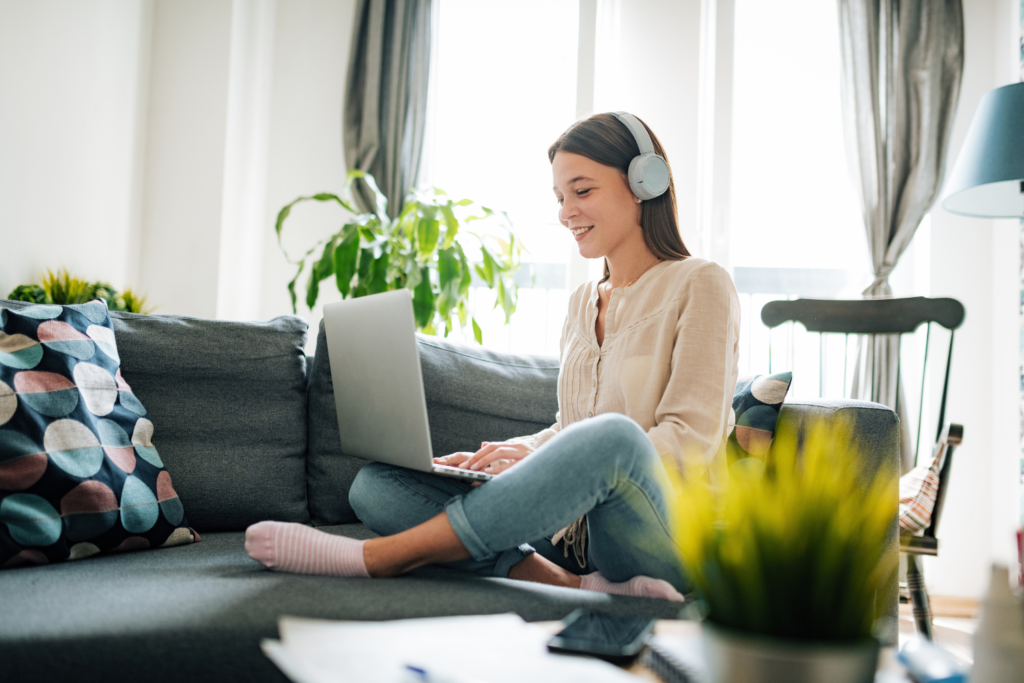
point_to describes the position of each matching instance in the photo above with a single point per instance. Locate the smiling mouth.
(579, 231)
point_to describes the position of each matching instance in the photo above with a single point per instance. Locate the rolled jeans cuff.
(475, 545)
(510, 558)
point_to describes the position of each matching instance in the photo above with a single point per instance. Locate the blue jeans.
(604, 468)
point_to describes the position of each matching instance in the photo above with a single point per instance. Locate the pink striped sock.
(638, 587)
(300, 549)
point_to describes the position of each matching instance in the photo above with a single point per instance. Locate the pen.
(425, 676)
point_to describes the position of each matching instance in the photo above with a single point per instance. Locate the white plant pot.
(737, 657)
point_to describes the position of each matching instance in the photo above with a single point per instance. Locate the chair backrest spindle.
(920, 406)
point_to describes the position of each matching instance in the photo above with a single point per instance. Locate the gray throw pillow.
(228, 406)
(472, 394)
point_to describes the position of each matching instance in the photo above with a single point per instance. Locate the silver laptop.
(378, 386)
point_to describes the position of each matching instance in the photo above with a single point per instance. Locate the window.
(795, 223)
(505, 89)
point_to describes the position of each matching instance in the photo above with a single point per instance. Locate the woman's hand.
(493, 457)
(454, 460)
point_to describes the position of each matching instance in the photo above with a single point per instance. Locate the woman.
(649, 363)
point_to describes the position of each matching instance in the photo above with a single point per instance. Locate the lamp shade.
(986, 180)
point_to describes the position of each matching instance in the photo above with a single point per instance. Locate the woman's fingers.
(499, 466)
(454, 460)
(486, 448)
(496, 467)
(484, 458)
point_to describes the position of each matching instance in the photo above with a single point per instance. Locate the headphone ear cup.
(636, 178)
(648, 176)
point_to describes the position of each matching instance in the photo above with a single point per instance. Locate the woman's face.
(596, 204)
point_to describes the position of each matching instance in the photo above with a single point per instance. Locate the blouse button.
(590, 414)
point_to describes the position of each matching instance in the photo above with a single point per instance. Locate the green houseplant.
(63, 288)
(422, 250)
(790, 566)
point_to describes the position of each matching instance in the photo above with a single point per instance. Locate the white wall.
(184, 171)
(305, 154)
(150, 143)
(243, 220)
(976, 261)
(71, 78)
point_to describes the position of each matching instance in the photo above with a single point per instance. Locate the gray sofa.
(245, 424)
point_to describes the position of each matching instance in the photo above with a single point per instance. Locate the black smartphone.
(611, 637)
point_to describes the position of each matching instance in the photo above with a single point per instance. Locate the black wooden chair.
(872, 318)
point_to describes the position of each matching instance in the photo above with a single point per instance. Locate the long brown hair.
(606, 140)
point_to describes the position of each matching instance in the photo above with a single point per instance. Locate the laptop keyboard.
(449, 471)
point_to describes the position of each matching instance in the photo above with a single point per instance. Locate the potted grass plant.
(424, 249)
(791, 565)
(63, 288)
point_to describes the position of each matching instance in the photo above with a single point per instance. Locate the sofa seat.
(198, 612)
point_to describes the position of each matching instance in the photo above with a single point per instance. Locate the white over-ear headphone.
(648, 172)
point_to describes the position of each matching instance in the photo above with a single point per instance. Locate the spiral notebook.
(675, 659)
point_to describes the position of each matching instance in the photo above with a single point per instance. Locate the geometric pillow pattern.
(79, 474)
(757, 402)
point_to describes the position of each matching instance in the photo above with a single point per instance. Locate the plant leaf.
(346, 256)
(505, 300)
(312, 288)
(287, 210)
(291, 287)
(364, 273)
(414, 278)
(478, 334)
(379, 200)
(423, 299)
(428, 231)
(379, 278)
(325, 265)
(449, 278)
(452, 225)
(467, 278)
(490, 267)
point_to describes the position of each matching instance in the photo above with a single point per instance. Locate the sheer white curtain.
(902, 64)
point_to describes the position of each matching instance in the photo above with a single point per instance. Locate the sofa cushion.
(876, 431)
(756, 404)
(198, 612)
(78, 471)
(229, 404)
(472, 394)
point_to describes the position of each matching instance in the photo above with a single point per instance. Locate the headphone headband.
(648, 172)
(640, 134)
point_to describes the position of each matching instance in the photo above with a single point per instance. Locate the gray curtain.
(386, 96)
(902, 61)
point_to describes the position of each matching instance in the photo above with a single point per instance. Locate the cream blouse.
(669, 361)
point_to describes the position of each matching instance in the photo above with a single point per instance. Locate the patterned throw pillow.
(919, 489)
(78, 471)
(757, 402)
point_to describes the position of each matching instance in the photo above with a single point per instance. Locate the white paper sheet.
(476, 649)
